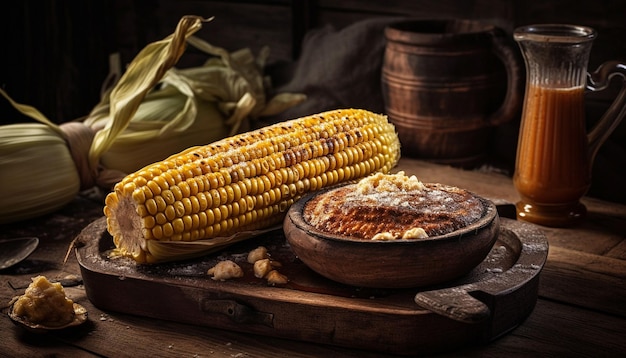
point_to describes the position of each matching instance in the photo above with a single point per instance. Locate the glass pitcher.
(555, 153)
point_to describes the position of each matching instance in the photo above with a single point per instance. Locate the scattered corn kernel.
(257, 254)
(276, 278)
(262, 267)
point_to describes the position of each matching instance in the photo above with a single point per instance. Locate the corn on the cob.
(243, 183)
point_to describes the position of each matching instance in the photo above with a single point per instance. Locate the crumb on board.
(225, 270)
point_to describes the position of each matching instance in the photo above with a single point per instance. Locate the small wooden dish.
(80, 317)
(391, 264)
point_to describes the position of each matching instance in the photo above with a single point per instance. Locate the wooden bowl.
(391, 264)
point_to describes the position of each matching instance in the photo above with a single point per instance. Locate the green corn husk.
(153, 111)
(37, 172)
(192, 106)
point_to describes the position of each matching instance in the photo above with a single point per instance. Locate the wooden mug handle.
(507, 52)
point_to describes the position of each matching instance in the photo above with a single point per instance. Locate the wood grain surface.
(579, 313)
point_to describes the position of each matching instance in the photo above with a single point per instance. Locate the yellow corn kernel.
(245, 182)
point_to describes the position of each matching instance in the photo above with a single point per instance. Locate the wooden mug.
(446, 84)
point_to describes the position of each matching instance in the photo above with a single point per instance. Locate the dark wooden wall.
(55, 53)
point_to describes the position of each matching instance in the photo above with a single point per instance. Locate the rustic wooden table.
(580, 310)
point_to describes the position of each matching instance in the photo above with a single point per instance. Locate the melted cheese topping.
(381, 183)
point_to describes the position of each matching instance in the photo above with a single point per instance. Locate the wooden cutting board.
(490, 301)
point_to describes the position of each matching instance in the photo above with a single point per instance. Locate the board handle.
(473, 302)
(455, 303)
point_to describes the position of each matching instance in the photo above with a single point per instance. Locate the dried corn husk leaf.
(34, 113)
(148, 138)
(192, 106)
(142, 75)
(164, 251)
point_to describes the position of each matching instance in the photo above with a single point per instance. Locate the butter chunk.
(44, 303)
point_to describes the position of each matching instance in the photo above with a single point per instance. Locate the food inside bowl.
(393, 207)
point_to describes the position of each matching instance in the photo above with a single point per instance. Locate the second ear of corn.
(32, 154)
(153, 111)
(243, 183)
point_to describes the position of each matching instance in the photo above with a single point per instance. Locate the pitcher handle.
(598, 81)
(504, 49)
